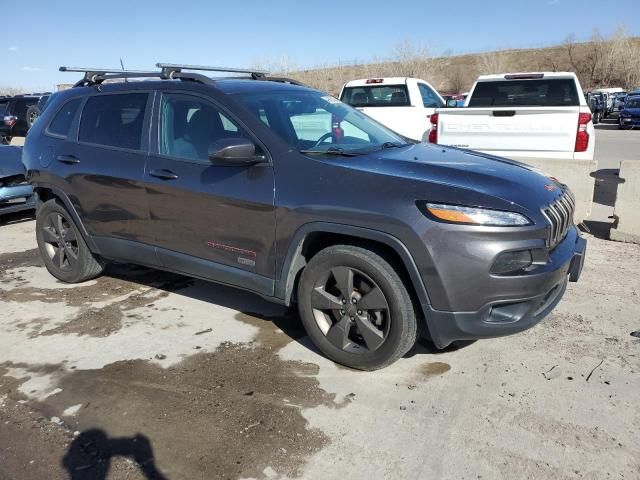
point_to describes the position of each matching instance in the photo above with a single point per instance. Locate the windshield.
(633, 103)
(376, 96)
(315, 122)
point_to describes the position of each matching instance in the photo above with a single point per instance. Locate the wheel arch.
(313, 237)
(45, 192)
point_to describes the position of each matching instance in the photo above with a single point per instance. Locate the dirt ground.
(142, 374)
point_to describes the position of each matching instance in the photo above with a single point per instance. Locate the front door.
(208, 220)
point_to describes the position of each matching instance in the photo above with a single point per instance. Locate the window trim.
(218, 106)
(144, 144)
(49, 133)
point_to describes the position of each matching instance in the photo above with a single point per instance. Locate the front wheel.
(64, 251)
(355, 308)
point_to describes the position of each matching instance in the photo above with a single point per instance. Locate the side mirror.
(233, 152)
(452, 103)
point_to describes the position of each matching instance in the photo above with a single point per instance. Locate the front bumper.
(506, 317)
(16, 199)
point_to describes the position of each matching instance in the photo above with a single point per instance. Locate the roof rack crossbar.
(179, 67)
(168, 71)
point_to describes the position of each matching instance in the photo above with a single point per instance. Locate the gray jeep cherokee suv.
(284, 191)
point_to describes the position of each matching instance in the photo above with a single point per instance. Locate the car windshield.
(314, 122)
(634, 103)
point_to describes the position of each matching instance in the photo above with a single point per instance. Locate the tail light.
(10, 120)
(582, 137)
(433, 133)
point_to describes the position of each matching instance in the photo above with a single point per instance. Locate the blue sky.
(47, 34)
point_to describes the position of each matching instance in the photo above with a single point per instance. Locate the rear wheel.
(64, 251)
(355, 308)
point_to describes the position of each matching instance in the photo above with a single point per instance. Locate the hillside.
(598, 63)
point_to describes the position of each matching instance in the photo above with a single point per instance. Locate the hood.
(11, 161)
(467, 172)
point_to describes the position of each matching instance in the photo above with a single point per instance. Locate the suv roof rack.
(168, 71)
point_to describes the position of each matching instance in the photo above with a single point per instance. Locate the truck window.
(552, 92)
(3, 107)
(430, 98)
(376, 96)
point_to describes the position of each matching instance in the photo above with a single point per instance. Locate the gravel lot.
(142, 374)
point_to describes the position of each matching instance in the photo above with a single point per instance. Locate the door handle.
(163, 174)
(68, 159)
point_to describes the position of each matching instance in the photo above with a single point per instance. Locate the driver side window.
(189, 125)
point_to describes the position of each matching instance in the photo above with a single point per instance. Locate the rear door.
(515, 115)
(209, 220)
(103, 170)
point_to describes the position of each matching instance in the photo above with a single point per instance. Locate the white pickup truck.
(402, 104)
(522, 116)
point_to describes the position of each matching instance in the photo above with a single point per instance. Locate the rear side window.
(3, 108)
(552, 92)
(114, 120)
(430, 98)
(376, 96)
(61, 123)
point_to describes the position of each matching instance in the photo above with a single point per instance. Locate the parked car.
(402, 104)
(34, 111)
(521, 116)
(630, 114)
(13, 111)
(596, 105)
(376, 238)
(15, 192)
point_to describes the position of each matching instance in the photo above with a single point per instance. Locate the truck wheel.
(62, 247)
(355, 308)
(596, 118)
(33, 112)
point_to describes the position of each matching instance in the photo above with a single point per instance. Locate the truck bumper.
(510, 316)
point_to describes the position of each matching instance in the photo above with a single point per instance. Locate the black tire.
(33, 112)
(596, 118)
(5, 140)
(387, 318)
(71, 262)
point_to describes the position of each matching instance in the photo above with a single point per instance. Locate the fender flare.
(66, 201)
(294, 261)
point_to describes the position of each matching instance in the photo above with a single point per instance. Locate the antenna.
(122, 65)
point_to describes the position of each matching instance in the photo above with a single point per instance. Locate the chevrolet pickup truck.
(520, 116)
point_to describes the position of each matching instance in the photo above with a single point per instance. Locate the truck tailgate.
(533, 129)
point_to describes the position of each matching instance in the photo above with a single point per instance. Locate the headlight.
(473, 215)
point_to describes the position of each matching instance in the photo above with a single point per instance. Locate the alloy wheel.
(61, 243)
(351, 310)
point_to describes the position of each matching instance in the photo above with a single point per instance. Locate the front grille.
(560, 216)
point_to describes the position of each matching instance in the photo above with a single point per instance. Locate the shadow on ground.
(90, 455)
